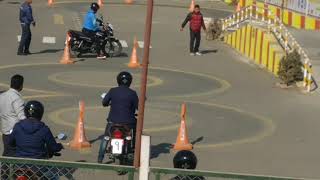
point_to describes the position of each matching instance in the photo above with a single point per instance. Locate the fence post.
(144, 158)
(131, 175)
(305, 71)
(158, 176)
(309, 78)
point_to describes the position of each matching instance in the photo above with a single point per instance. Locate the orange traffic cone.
(79, 140)
(128, 1)
(191, 8)
(238, 8)
(134, 61)
(66, 58)
(100, 3)
(182, 142)
(50, 2)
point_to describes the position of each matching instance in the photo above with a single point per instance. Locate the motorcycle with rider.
(95, 37)
(119, 136)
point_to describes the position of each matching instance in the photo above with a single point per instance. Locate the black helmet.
(185, 160)
(34, 109)
(124, 78)
(95, 7)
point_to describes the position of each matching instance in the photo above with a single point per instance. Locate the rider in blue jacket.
(91, 27)
(32, 137)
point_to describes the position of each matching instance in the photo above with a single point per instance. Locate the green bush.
(290, 69)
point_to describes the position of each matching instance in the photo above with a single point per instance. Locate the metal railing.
(34, 169)
(175, 174)
(274, 24)
(31, 169)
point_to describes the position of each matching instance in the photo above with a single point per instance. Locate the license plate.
(117, 146)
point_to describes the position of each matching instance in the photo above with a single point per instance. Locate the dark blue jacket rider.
(26, 14)
(124, 103)
(90, 21)
(33, 139)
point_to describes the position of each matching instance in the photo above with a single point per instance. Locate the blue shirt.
(26, 14)
(90, 21)
(124, 103)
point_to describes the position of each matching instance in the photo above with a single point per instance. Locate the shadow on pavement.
(199, 139)
(209, 51)
(162, 148)
(48, 51)
(96, 139)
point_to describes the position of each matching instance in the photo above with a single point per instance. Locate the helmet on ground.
(34, 109)
(95, 7)
(185, 160)
(124, 78)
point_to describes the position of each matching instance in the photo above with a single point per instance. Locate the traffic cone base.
(128, 1)
(50, 2)
(182, 142)
(100, 3)
(79, 140)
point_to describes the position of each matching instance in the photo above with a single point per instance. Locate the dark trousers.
(8, 150)
(25, 38)
(195, 38)
(94, 38)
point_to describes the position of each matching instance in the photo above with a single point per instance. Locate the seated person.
(91, 27)
(33, 139)
(124, 103)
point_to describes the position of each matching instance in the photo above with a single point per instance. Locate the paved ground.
(236, 117)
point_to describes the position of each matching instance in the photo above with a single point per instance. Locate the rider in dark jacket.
(32, 137)
(124, 103)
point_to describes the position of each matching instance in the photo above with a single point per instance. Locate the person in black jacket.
(195, 20)
(26, 19)
(124, 103)
(33, 138)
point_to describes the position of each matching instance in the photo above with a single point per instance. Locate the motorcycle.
(30, 172)
(120, 147)
(82, 44)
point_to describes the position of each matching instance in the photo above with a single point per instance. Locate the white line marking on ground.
(124, 43)
(141, 44)
(48, 40)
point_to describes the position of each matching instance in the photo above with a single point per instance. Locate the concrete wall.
(258, 45)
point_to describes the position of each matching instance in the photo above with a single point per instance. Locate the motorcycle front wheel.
(113, 48)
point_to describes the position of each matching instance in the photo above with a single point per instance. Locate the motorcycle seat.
(80, 34)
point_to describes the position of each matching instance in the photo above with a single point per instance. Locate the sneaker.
(192, 54)
(198, 54)
(101, 57)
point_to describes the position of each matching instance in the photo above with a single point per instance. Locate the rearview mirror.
(61, 136)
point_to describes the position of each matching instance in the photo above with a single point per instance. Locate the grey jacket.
(11, 110)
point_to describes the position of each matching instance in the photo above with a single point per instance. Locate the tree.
(290, 69)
